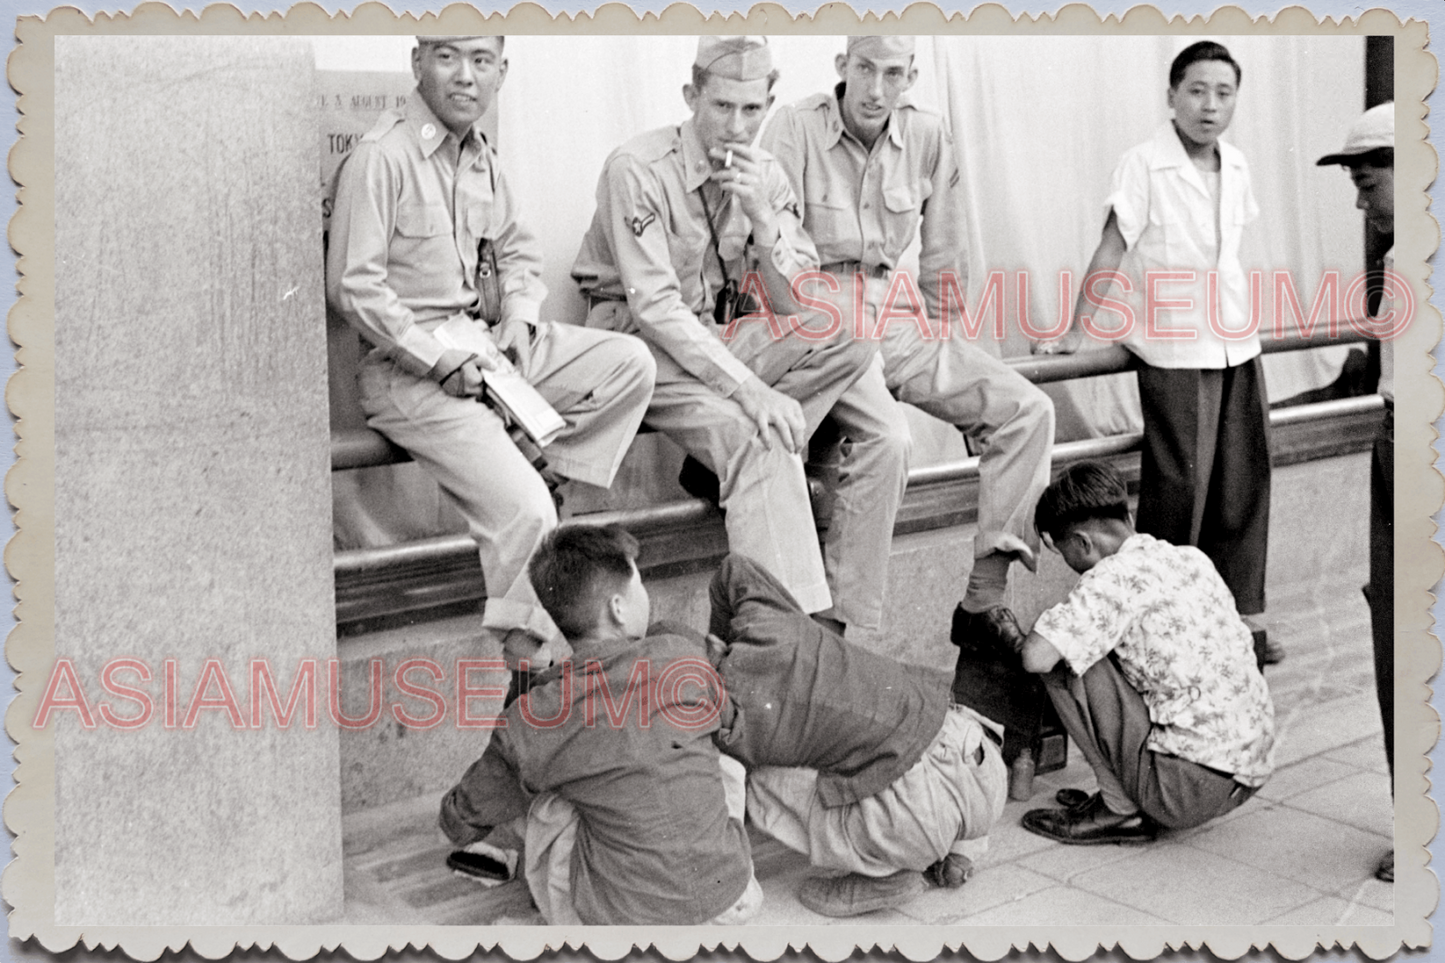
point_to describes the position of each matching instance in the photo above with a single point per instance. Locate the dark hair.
(1082, 492)
(700, 78)
(577, 569)
(1194, 53)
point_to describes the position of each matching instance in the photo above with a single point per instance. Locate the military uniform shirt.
(411, 207)
(649, 244)
(867, 206)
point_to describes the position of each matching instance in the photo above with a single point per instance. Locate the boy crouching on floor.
(1152, 672)
(632, 816)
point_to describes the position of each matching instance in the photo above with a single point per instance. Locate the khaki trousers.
(598, 381)
(764, 491)
(1010, 421)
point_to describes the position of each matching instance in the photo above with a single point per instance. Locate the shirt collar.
(1171, 153)
(697, 166)
(894, 130)
(430, 132)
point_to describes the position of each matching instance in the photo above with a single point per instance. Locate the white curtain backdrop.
(1038, 124)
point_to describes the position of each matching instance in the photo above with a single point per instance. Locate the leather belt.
(844, 268)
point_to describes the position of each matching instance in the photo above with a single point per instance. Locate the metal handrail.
(672, 514)
(364, 448)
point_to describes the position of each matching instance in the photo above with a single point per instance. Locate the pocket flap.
(429, 220)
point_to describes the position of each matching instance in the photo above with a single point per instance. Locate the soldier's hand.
(742, 177)
(773, 410)
(1068, 344)
(459, 373)
(514, 339)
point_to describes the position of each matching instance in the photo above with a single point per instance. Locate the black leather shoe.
(994, 630)
(1072, 798)
(698, 481)
(1090, 825)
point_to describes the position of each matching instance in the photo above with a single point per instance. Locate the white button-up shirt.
(1167, 216)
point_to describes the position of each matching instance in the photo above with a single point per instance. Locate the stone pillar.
(193, 525)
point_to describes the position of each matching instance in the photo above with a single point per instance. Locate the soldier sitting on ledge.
(1152, 671)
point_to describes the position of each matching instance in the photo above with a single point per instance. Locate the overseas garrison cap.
(883, 46)
(736, 58)
(1374, 129)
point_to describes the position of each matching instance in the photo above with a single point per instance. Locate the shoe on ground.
(1091, 824)
(994, 631)
(855, 894)
(1272, 653)
(1385, 872)
(1072, 798)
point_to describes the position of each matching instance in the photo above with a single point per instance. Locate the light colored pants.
(598, 381)
(552, 835)
(1008, 417)
(764, 491)
(946, 802)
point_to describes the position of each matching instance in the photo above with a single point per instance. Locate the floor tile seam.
(1354, 893)
(1338, 822)
(1319, 895)
(1280, 800)
(1248, 869)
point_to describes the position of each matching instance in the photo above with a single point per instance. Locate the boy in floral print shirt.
(1152, 672)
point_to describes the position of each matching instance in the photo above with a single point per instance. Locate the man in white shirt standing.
(1177, 209)
(1369, 155)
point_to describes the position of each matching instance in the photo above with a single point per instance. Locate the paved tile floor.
(1302, 851)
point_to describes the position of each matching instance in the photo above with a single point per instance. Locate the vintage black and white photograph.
(928, 480)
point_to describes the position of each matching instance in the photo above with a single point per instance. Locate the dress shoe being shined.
(1091, 824)
(1072, 798)
(855, 894)
(699, 481)
(995, 630)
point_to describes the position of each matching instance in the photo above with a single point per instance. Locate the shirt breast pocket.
(900, 218)
(422, 231)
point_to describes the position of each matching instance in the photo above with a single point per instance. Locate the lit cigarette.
(728, 161)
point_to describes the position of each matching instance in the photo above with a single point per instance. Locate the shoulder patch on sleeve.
(639, 223)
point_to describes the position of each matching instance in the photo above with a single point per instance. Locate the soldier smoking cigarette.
(728, 161)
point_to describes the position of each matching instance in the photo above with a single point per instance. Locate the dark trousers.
(1205, 471)
(1109, 722)
(1381, 591)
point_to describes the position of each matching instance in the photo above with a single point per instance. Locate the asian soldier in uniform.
(873, 172)
(686, 214)
(419, 206)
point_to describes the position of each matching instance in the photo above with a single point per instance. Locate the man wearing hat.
(425, 234)
(873, 172)
(1369, 155)
(691, 218)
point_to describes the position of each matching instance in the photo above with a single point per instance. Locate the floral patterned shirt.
(1167, 616)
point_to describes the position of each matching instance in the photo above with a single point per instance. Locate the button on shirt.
(1166, 614)
(867, 206)
(649, 244)
(655, 843)
(412, 204)
(1170, 223)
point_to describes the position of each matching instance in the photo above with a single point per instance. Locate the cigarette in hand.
(728, 161)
